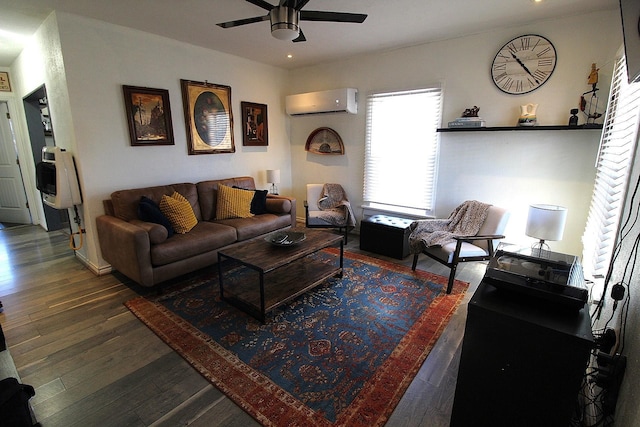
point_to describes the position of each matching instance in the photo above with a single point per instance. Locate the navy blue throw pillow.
(259, 201)
(149, 211)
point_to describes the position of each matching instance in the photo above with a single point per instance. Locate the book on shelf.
(467, 124)
(469, 119)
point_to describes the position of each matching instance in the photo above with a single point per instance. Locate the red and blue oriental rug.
(341, 355)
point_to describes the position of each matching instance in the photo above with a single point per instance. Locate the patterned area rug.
(340, 355)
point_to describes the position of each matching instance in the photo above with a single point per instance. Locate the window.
(401, 150)
(617, 147)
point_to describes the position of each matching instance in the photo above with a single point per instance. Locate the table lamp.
(273, 177)
(545, 222)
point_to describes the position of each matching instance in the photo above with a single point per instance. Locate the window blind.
(401, 149)
(617, 148)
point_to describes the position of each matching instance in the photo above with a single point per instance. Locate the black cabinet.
(522, 361)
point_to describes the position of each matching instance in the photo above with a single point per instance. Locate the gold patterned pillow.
(179, 211)
(233, 203)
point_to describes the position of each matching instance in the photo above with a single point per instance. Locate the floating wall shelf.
(520, 128)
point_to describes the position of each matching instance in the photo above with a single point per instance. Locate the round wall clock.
(523, 64)
(324, 141)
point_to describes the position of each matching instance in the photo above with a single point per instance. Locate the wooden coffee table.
(257, 276)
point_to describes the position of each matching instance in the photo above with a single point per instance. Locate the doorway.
(14, 208)
(36, 108)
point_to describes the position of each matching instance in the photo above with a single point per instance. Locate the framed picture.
(208, 117)
(5, 84)
(148, 115)
(254, 124)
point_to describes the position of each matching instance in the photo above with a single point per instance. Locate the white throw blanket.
(334, 206)
(465, 220)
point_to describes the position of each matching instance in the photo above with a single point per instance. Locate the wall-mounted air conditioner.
(328, 101)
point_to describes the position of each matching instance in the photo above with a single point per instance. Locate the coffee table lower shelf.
(277, 287)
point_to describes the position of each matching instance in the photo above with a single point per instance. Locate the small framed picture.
(255, 131)
(148, 115)
(208, 117)
(5, 84)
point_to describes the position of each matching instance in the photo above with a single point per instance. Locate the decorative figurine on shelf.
(591, 112)
(573, 120)
(528, 115)
(471, 112)
(593, 77)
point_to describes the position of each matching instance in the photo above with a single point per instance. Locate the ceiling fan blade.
(301, 4)
(243, 21)
(300, 38)
(261, 3)
(315, 15)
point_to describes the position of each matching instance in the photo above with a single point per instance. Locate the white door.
(13, 199)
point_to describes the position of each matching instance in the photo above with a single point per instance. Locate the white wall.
(99, 58)
(505, 168)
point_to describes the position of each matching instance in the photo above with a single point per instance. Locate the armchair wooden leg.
(415, 261)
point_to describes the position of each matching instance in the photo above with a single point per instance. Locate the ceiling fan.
(285, 18)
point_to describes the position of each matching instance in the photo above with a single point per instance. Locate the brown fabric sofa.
(141, 250)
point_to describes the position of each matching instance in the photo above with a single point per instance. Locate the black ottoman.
(385, 235)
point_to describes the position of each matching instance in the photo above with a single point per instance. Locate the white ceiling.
(390, 24)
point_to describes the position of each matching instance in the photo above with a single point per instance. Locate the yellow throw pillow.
(179, 211)
(233, 203)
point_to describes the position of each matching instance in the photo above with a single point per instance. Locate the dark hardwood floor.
(94, 364)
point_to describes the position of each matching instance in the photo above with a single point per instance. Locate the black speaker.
(522, 363)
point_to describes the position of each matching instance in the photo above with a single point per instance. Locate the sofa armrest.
(126, 247)
(282, 204)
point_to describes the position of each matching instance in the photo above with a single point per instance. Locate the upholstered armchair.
(327, 206)
(467, 235)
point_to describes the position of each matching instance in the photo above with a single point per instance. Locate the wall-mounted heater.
(57, 179)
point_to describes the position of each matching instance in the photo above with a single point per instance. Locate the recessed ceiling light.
(289, 55)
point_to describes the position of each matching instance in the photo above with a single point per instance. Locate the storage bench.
(385, 235)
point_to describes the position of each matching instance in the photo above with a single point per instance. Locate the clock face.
(523, 64)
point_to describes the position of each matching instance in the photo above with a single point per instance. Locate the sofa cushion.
(233, 203)
(248, 228)
(203, 238)
(149, 211)
(125, 202)
(179, 211)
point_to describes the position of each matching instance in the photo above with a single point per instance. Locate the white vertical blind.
(617, 148)
(401, 149)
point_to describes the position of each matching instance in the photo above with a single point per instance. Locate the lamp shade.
(273, 176)
(546, 222)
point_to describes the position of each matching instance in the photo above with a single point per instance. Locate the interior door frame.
(24, 155)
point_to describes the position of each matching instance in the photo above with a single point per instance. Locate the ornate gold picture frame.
(208, 117)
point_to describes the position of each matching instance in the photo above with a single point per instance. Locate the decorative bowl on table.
(285, 238)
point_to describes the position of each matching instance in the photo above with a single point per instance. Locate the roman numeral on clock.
(545, 62)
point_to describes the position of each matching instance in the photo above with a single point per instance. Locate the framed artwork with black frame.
(255, 131)
(208, 117)
(148, 115)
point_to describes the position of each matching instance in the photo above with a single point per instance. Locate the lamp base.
(540, 249)
(274, 189)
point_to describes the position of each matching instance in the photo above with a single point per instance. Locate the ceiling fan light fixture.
(284, 23)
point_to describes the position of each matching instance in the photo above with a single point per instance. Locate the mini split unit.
(328, 101)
